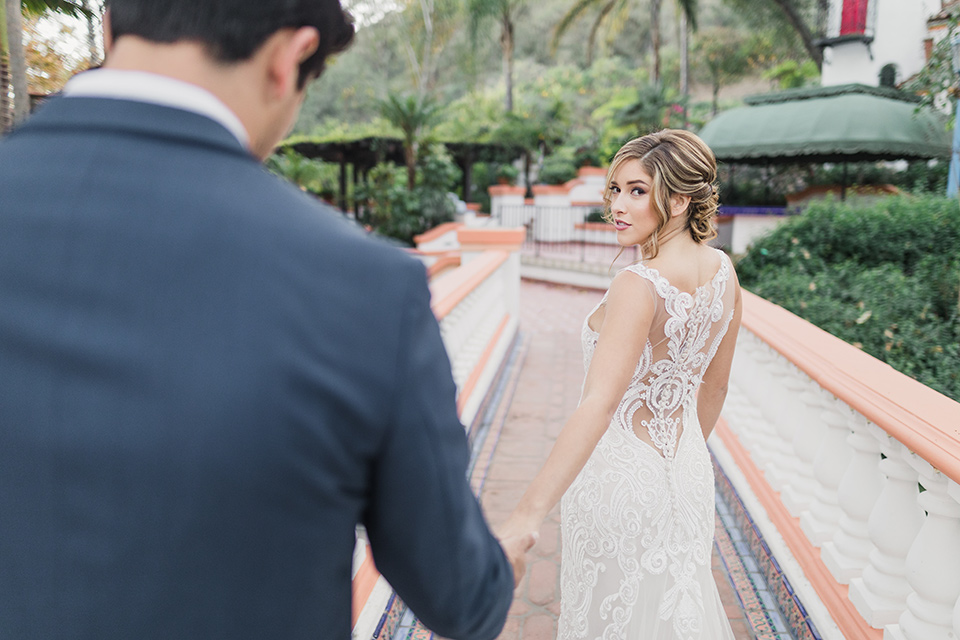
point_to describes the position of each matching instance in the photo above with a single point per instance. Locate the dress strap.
(644, 271)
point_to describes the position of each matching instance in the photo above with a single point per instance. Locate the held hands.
(517, 536)
(515, 547)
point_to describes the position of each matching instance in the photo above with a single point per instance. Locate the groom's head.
(233, 30)
(256, 56)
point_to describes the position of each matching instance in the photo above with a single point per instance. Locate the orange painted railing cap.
(550, 189)
(591, 171)
(448, 291)
(925, 421)
(595, 226)
(443, 263)
(505, 190)
(437, 232)
(484, 235)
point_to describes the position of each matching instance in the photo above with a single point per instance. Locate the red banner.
(853, 20)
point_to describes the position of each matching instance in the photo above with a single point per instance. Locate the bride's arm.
(629, 312)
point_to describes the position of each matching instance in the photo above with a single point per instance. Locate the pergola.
(365, 153)
(841, 124)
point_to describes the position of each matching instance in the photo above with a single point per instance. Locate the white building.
(865, 37)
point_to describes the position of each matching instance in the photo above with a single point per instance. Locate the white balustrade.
(468, 328)
(933, 563)
(880, 594)
(846, 554)
(842, 440)
(821, 522)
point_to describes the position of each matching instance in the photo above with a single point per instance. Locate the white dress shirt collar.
(141, 86)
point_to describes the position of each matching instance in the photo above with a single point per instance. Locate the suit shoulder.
(317, 226)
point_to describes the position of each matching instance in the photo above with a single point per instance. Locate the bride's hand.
(515, 548)
(517, 526)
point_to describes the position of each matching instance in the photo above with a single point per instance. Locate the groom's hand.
(516, 547)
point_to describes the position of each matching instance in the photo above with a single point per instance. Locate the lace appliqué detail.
(638, 521)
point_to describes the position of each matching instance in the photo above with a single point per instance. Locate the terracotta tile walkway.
(547, 392)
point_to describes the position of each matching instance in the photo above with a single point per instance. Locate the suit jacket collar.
(71, 114)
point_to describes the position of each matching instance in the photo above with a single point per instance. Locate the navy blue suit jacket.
(206, 381)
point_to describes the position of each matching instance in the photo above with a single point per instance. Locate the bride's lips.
(620, 225)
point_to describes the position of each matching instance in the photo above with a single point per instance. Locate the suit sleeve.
(427, 533)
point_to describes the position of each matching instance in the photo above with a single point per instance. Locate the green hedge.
(883, 277)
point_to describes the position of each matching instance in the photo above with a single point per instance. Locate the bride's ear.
(678, 204)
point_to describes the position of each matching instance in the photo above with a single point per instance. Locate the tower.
(865, 37)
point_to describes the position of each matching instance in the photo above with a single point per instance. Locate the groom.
(206, 379)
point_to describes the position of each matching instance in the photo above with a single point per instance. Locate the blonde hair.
(678, 163)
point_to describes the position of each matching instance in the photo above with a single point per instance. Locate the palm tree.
(412, 115)
(616, 7)
(505, 13)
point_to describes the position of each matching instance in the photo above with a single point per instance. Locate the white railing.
(836, 446)
(478, 308)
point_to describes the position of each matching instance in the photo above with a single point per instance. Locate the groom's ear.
(286, 50)
(107, 34)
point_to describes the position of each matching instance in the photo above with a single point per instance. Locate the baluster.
(956, 619)
(743, 415)
(752, 386)
(821, 522)
(880, 594)
(847, 553)
(761, 416)
(933, 563)
(807, 435)
(779, 410)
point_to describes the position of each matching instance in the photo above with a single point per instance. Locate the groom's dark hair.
(233, 30)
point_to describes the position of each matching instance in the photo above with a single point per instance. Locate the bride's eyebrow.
(640, 182)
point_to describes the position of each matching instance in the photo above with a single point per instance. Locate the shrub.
(558, 168)
(507, 173)
(883, 277)
(595, 215)
(395, 211)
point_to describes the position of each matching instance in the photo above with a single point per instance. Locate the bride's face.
(631, 204)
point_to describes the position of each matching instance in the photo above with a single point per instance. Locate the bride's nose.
(615, 205)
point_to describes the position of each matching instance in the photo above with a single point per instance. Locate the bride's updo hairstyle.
(679, 163)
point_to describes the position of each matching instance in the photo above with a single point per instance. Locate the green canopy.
(847, 123)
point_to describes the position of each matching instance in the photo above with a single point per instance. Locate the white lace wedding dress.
(637, 523)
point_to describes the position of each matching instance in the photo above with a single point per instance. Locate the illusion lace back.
(637, 523)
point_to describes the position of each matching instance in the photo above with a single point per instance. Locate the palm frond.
(567, 20)
(690, 8)
(591, 41)
(479, 11)
(65, 7)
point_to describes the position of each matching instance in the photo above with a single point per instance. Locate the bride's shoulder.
(627, 283)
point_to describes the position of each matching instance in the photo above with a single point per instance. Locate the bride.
(631, 463)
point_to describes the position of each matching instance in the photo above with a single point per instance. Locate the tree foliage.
(937, 81)
(47, 68)
(801, 21)
(883, 277)
(608, 11)
(412, 115)
(395, 211)
(505, 13)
